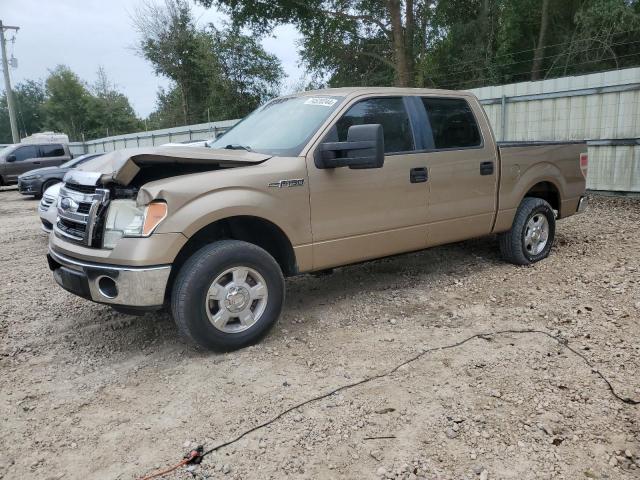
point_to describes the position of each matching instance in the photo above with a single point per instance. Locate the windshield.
(74, 162)
(280, 127)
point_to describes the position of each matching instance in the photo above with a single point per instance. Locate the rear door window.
(53, 150)
(25, 153)
(453, 124)
(388, 112)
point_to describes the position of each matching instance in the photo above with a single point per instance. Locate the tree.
(29, 98)
(248, 75)
(68, 104)
(337, 32)
(112, 114)
(216, 73)
(177, 50)
(450, 43)
(538, 55)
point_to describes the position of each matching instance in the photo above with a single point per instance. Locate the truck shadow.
(156, 331)
(456, 260)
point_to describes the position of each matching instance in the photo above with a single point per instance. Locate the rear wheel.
(532, 233)
(227, 295)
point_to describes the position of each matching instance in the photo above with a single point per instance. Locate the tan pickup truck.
(305, 183)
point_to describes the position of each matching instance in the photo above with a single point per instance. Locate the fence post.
(503, 117)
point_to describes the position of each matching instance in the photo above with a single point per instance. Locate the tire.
(46, 185)
(523, 244)
(209, 287)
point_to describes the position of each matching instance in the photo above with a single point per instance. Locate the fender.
(242, 201)
(515, 184)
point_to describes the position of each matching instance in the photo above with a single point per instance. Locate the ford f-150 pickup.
(305, 183)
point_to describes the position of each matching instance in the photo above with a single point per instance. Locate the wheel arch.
(548, 191)
(252, 229)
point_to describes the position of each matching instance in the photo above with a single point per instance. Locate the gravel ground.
(89, 393)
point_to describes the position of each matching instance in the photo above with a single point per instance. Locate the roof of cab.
(355, 91)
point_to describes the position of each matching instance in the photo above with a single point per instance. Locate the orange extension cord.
(193, 454)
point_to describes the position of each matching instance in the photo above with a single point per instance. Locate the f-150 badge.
(296, 182)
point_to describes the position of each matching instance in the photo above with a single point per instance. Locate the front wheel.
(227, 295)
(45, 186)
(532, 233)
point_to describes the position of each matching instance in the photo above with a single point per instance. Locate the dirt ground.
(89, 393)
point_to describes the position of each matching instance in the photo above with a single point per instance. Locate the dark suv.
(22, 157)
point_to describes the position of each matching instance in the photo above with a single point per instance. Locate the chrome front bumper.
(142, 287)
(582, 205)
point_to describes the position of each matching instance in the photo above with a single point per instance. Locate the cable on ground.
(484, 336)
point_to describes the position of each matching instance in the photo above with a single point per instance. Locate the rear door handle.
(418, 175)
(486, 168)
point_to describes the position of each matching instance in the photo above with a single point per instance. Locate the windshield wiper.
(237, 146)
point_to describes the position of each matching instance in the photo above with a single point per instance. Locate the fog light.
(107, 287)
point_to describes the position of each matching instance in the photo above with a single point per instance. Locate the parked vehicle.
(35, 182)
(41, 138)
(22, 157)
(305, 183)
(48, 207)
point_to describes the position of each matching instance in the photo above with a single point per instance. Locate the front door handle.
(486, 168)
(36, 163)
(418, 175)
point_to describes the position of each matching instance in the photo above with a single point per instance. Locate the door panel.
(462, 169)
(26, 159)
(358, 214)
(52, 155)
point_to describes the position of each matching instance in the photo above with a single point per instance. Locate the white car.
(48, 207)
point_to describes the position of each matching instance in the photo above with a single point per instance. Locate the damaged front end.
(104, 200)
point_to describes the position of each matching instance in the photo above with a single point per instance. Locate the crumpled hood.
(121, 166)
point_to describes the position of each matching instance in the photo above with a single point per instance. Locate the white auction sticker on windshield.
(321, 101)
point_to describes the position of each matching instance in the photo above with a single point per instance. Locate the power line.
(527, 72)
(502, 65)
(590, 39)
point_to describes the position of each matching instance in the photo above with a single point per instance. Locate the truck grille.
(46, 202)
(79, 210)
(75, 230)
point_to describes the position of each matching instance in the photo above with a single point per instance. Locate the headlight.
(30, 177)
(126, 219)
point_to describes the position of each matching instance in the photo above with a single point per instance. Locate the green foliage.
(29, 98)
(450, 43)
(68, 103)
(216, 73)
(111, 111)
(64, 103)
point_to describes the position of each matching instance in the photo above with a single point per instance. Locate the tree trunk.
(408, 40)
(542, 38)
(399, 50)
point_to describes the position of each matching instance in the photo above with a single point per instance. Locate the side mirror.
(364, 148)
(11, 158)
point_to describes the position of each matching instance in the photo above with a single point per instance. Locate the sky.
(86, 34)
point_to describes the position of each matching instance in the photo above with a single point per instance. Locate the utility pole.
(7, 83)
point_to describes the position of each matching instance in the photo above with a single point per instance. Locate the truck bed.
(550, 167)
